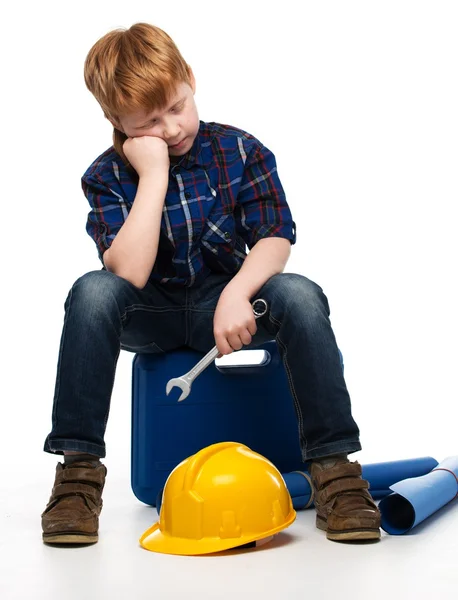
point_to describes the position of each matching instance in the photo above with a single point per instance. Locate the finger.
(235, 341)
(222, 345)
(252, 327)
(245, 337)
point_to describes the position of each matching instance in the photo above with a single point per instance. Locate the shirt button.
(187, 195)
(227, 235)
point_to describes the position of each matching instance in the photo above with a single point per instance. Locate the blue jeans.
(104, 313)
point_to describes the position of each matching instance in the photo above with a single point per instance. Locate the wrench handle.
(203, 363)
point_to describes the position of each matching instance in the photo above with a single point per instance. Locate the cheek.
(192, 119)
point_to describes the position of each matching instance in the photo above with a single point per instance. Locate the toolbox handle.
(266, 356)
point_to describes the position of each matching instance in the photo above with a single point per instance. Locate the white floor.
(298, 563)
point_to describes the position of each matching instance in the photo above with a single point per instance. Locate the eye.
(150, 124)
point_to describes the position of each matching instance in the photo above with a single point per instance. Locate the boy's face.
(178, 123)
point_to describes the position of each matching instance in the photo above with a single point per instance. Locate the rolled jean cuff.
(341, 447)
(58, 446)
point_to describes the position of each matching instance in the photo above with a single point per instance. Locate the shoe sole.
(70, 538)
(353, 534)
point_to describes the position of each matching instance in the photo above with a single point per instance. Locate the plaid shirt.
(223, 195)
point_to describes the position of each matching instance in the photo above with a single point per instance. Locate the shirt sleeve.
(108, 208)
(262, 209)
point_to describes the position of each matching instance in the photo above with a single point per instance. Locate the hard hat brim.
(154, 540)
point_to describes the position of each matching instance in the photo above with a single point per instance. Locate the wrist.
(236, 288)
(154, 176)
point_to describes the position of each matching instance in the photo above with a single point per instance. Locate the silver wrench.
(185, 381)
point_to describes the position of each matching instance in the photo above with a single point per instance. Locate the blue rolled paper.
(379, 475)
(299, 488)
(415, 499)
(383, 475)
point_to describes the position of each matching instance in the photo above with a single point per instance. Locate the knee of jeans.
(96, 289)
(297, 291)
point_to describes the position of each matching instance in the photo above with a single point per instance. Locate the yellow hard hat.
(224, 496)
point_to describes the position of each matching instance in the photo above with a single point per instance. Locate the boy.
(174, 203)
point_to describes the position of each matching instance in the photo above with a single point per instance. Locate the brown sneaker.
(345, 509)
(72, 513)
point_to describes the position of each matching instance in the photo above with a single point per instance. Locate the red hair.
(131, 69)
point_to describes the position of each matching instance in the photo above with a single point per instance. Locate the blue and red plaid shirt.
(223, 195)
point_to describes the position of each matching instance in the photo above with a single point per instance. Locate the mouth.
(179, 145)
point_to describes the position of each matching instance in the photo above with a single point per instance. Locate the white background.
(357, 100)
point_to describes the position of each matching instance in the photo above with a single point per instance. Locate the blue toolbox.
(247, 403)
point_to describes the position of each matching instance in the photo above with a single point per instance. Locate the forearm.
(133, 251)
(267, 258)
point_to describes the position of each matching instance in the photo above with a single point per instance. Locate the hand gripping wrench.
(185, 381)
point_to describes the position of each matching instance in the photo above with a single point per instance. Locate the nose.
(171, 130)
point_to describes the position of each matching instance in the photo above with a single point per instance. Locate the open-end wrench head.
(183, 385)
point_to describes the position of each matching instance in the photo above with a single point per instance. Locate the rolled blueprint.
(379, 475)
(417, 498)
